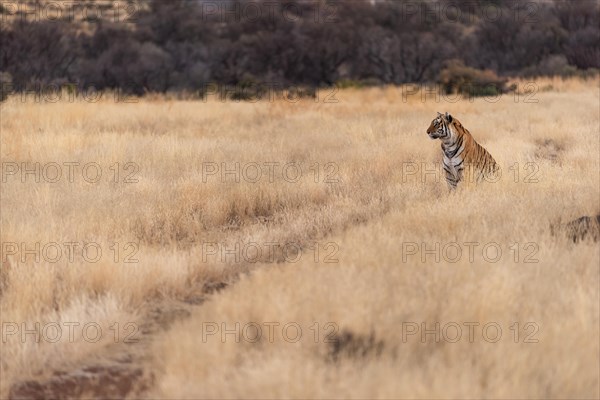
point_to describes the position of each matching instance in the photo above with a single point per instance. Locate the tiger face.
(439, 128)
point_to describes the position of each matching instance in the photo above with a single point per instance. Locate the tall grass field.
(158, 247)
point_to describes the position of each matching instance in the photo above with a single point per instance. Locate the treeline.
(183, 44)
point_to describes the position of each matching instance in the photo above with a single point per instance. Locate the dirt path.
(119, 371)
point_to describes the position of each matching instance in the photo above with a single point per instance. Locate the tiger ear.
(448, 117)
(439, 114)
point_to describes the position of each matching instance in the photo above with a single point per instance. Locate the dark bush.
(5, 85)
(554, 65)
(458, 78)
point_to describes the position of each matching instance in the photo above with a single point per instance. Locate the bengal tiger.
(461, 151)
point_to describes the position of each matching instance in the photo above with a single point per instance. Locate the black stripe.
(458, 145)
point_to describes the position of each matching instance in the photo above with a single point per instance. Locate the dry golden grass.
(370, 295)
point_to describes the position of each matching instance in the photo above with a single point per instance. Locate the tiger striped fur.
(461, 151)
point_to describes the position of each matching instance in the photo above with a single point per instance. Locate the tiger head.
(440, 127)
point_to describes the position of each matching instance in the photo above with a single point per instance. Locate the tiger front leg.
(452, 179)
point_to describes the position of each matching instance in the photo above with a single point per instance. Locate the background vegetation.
(183, 44)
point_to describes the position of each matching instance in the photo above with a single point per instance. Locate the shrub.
(5, 85)
(357, 83)
(552, 65)
(456, 77)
